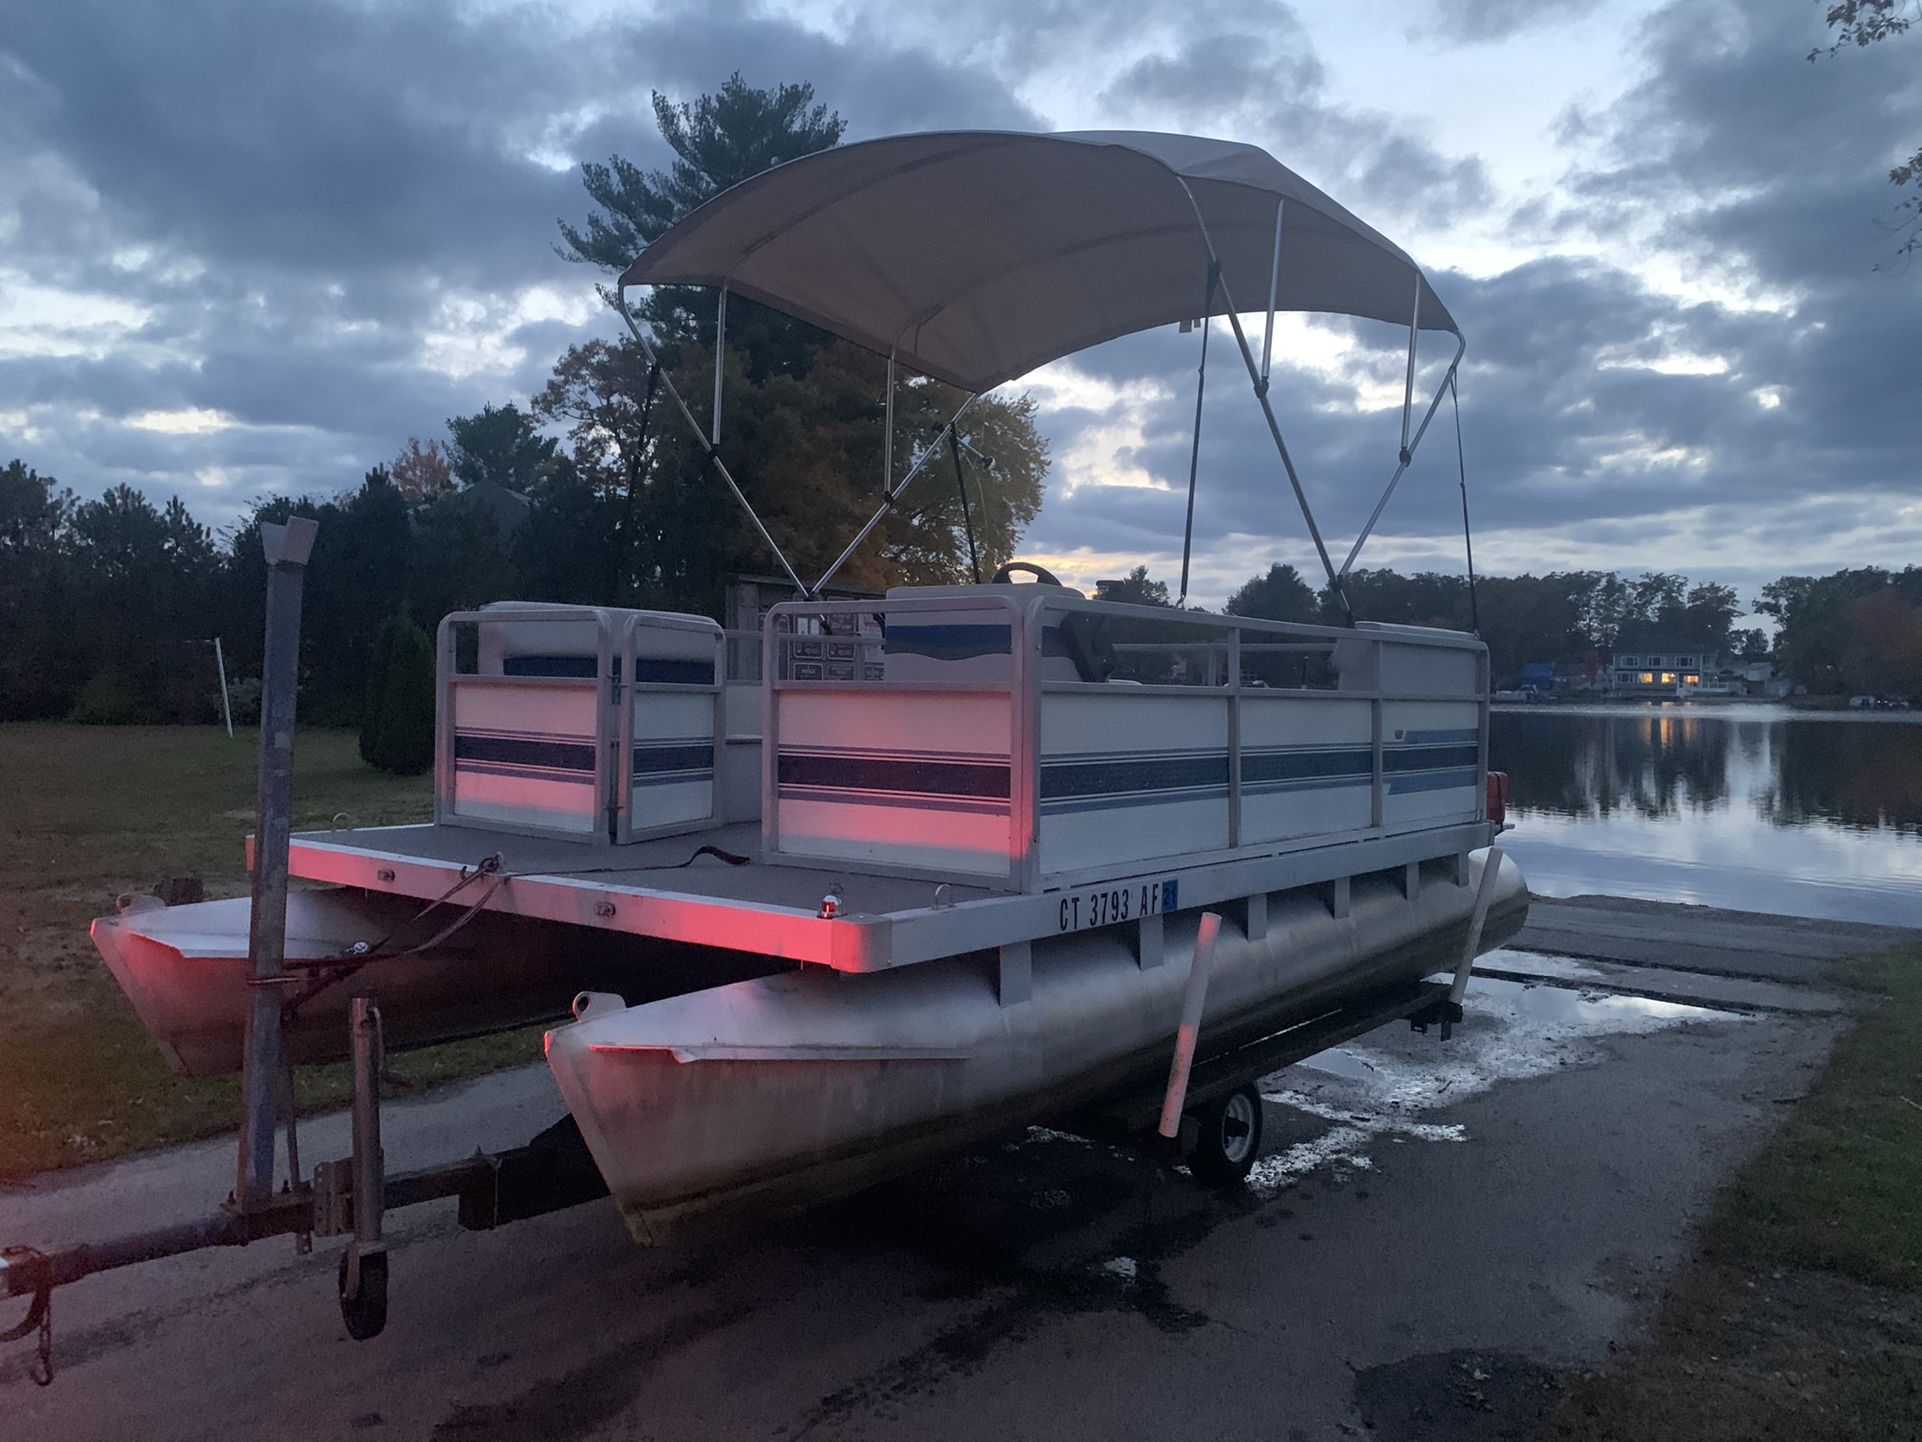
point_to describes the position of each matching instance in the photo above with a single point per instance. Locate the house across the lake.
(1659, 667)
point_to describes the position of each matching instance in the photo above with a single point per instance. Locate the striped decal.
(934, 781)
(963, 641)
(1269, 770)
(1104, 781)
(1101, 781)
(1441, 760)
(534, 755)
(1433, 781)
(673, 670)
(673, 760)
(957, 642)
(1397, 759)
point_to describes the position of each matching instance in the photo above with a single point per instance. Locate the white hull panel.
(762, 1094)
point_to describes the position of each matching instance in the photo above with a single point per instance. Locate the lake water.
(1745, 806)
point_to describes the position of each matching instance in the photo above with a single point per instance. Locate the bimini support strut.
(891, 496)
(1408, 445)
(1194, 451)
(1260, 384)
(694, 426)
(720, 360)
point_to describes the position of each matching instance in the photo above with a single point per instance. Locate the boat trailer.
(1195, 1115)
(352, 1196)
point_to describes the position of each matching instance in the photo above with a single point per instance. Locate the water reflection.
(1745, 806)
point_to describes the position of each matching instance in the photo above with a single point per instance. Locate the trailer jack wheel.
(365, 1311)
(1230, 1139)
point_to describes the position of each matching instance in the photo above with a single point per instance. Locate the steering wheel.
(1005, 576)
(1083, 638)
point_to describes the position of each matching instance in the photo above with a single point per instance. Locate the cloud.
(335, 223)
(255, 246)
(1470, 22)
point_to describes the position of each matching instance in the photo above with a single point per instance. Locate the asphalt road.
(1431, 1224)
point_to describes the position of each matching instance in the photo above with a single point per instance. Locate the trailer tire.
(365, 1313)
(1230, 1139)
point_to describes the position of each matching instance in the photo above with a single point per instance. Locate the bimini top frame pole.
(694, 426)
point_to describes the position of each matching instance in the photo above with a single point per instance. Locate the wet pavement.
(1792, 949)
(1431, 1226)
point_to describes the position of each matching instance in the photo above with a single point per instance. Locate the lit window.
(1648, 678)
(1692, 679)
(1668, 678)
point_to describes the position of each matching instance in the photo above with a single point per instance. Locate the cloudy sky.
(253, 245)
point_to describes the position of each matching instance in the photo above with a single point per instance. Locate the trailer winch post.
(288, 548)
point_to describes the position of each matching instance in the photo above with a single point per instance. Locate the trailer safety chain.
(330, 971)
(39, 1310)
(732, 858)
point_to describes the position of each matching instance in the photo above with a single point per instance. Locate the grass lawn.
(89, 812)
(1801, 1317)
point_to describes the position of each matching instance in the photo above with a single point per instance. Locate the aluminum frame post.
(889, 499)
(720, 358)
(1408, 383)
(887, 437)
(1407, 457)
(967, 510)
(1274, 290)
(1194, 449)
(713, 456)
(226, 706)
(1287, 461)
(288, 548)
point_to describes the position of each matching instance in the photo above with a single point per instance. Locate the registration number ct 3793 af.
(1107, 905)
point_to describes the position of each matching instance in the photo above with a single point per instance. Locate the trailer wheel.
(1230, 1139)
(365, 1313)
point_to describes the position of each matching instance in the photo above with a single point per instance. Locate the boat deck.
(772, 908)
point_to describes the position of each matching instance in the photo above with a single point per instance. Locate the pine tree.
(398, 734)
(378, 663)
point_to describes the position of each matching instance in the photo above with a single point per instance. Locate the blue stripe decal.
(1438, 738)
(918, 801)
(1307, 783)
(1429, 758)
(1099, 778)
(958, 641)
(1070, 805)
(672, 670)
(1348, 761)
(674, 778)
(557, 753)
(676, 755)
(524, 773)
(1434, 781)
(928, 775)
(948, 643)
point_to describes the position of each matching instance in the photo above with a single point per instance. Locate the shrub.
(377, 667)
(397, 733)
(108, 699)
(243, 696)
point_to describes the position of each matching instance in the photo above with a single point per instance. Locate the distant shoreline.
(1724, 708)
